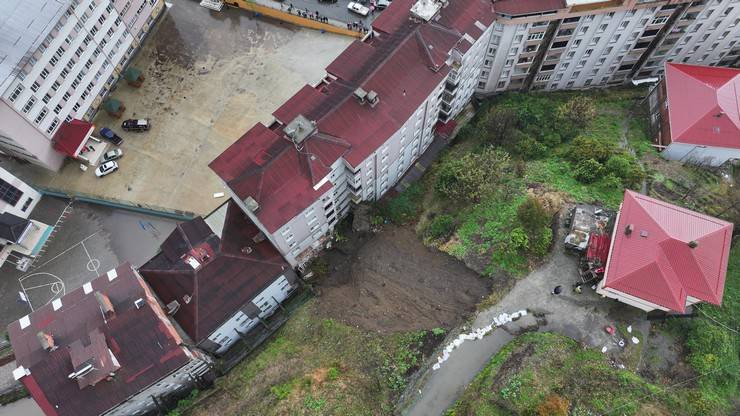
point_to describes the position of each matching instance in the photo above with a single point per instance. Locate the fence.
(332, 26)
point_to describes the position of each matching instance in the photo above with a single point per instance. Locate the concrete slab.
(209, 77)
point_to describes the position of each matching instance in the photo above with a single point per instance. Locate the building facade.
(16, 196)
(566, 44)
(61, 59)
(124, 354)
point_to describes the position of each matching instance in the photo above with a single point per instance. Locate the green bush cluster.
(441, 227)
(474, 175)
(593, 159)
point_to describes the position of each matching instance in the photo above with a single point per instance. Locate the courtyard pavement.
(210, 76)
(90, 240)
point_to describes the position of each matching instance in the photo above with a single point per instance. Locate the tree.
(532, 215)
(474, 175)
(578, 111)
(501, 123)
(584, 148)
(588, 171)
(627, 168)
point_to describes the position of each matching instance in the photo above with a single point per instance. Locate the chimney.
(46, 341)
(105, 305)
(693, 244)
(628, 229)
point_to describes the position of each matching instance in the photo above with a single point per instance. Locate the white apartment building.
(585, 43)
(58, 61)
(16, 197)
(353, 136)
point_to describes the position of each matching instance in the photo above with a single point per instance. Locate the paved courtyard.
(209, 77)
(90, 240)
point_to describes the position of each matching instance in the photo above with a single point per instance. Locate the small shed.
(114, 108)
(74, 139)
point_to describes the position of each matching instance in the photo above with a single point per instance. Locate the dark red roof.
(704, 105)
(655, 262)
(403, 66)
(143, 342)
(71, 136)
(519, 7)
(230, 278)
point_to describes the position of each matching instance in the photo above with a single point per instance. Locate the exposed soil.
(390, 282)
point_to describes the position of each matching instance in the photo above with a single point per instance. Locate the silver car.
(112, 155)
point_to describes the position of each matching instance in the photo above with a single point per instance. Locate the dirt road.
(391, 282)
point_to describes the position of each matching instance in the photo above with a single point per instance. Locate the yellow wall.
(291, 18)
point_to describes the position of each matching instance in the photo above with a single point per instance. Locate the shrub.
(626, 168)
(473, 176)
(404, 207)
(332, 374)
(578, 111)
(282, 391)
(588, 171)
(585, 148)
(553, 405)
(519, 239)
(441, 227)
(532, 215)
(500, 123)
(529, 148)
(539, 244)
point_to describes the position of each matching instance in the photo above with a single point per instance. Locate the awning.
(112, 105)
(132, 74)
(72, 136)
(445, 129)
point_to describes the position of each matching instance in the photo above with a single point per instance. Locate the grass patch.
(319, 366)
(545, 373)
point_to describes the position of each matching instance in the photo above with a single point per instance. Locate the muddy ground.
(390, 281)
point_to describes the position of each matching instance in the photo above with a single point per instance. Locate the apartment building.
(353, 135)
(106, 348)
(16, 196)
(219, 278)
(565, 44)
(58, 61)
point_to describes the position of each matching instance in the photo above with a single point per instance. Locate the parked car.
(112, 155)
(106, 169)
(136, 124)
(383, 4)
(112, 137)
(358, 8)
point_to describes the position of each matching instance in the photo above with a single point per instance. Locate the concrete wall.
(700, 155)
(20, 209)
(19, 138)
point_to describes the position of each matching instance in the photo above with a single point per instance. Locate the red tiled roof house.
(106, 348)
(220, 282)
(665, 257)
(695, 114)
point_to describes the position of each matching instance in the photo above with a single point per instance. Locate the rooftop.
(663, 253)
(210, 277)
(24, 24)
(88, 351)
(71, 136)
(704, 105)
(402, 65)
(12, 227)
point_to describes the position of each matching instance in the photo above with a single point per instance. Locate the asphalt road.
(89, 241)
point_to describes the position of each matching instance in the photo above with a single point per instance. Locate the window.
(35, 86)
(16, 93)
(41, 115)
(76, 107)
(27, 204)
(9, 193)
(575, 74)
(55, 86)
(46, 99)
(65, 97)
(44, 73)
(60, 51)
(624, 24)
(29, 105)
(603, 28)
(57, 109)
(52, 126)
(64, 73)
(659, 20)
(518, 38)
(536, 36)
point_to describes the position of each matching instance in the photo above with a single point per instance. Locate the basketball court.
(53, 276)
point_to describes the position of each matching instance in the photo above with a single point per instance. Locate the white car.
(358, 8)
(106, 168)
(383, 4)
(112, 155)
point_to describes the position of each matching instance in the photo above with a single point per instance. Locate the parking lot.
(209, 77)
(90, 240)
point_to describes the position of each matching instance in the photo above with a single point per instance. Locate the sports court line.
(90, 259)
(39, 286)
(65, 251)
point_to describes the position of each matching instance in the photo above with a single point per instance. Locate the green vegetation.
(531, 150)
(184, 404)
(316, 366)
(549, 374)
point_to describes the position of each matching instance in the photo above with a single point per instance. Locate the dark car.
(112, 137)
(136, 124)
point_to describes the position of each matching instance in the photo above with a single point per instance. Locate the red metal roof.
(655, 262)
(704, 105)
(80, 330)
(519, 7)
(395, 15)
(71, 136)
(228, 280)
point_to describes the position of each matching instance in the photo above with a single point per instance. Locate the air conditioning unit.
(173, 307)
(360, 95)
(372, 98)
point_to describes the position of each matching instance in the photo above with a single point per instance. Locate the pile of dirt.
(390, 282)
